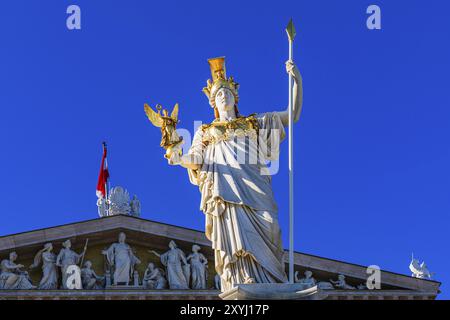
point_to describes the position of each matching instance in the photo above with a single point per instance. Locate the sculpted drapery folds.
(237, 199)
(177, 268)
(89, 279)
(12, 277)
(122, 260)
(154, 278)
(49, 278)
(227, 161)
(199, 265)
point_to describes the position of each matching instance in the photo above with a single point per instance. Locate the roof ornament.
(419, 270)
(119, 202)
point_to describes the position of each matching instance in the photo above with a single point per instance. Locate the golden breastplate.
(225, 130)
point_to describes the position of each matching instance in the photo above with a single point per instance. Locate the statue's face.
(67, 244)
(13, 256)
(88, 264)
(122, 237)
(224, 100)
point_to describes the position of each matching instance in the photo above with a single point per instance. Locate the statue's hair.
(171, 241)
(65, 242)
(38, 257)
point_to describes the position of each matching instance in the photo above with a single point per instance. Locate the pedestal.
(273, 291)
(123, 287)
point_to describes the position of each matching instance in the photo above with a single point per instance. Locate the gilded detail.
(225, 130)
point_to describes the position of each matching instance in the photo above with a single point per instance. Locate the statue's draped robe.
(154, 280)
(66, 258)
(49, 279)
(198, 271)
(89, 279)
(120, 256)
(238, 202)
(176, 275)
(12, 278)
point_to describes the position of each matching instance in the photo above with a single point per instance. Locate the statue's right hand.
(175, 158)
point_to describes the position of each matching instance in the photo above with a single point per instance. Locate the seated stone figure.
(11, 277)
(154, 278)
(89, 279)
(308, 281)
(341, 284)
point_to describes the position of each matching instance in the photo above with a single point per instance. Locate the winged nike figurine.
(170, 140)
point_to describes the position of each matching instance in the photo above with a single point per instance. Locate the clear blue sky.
(372, 152)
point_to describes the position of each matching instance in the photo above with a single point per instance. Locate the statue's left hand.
(292, 69)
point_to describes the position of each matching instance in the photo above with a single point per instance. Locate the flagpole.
(107, 180)
(291, 34)
(106, 191)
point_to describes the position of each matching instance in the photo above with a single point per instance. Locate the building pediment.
(104, 230)
(145, 235)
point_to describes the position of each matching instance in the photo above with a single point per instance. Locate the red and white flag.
(103, 176)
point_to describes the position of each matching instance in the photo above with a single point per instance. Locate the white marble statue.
(102, 207)
(154, 278)
(66, 258)
(89, 279)
(198, 266)
(121, 259)
(341, 284)
(135, 207)
(177, 268)
(119, 201)
(308, 281)
(217, 282)
(49, 280)
(419, 270)
(236, 191)
(12, 277)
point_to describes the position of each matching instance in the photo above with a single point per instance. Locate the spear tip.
(290, 30)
